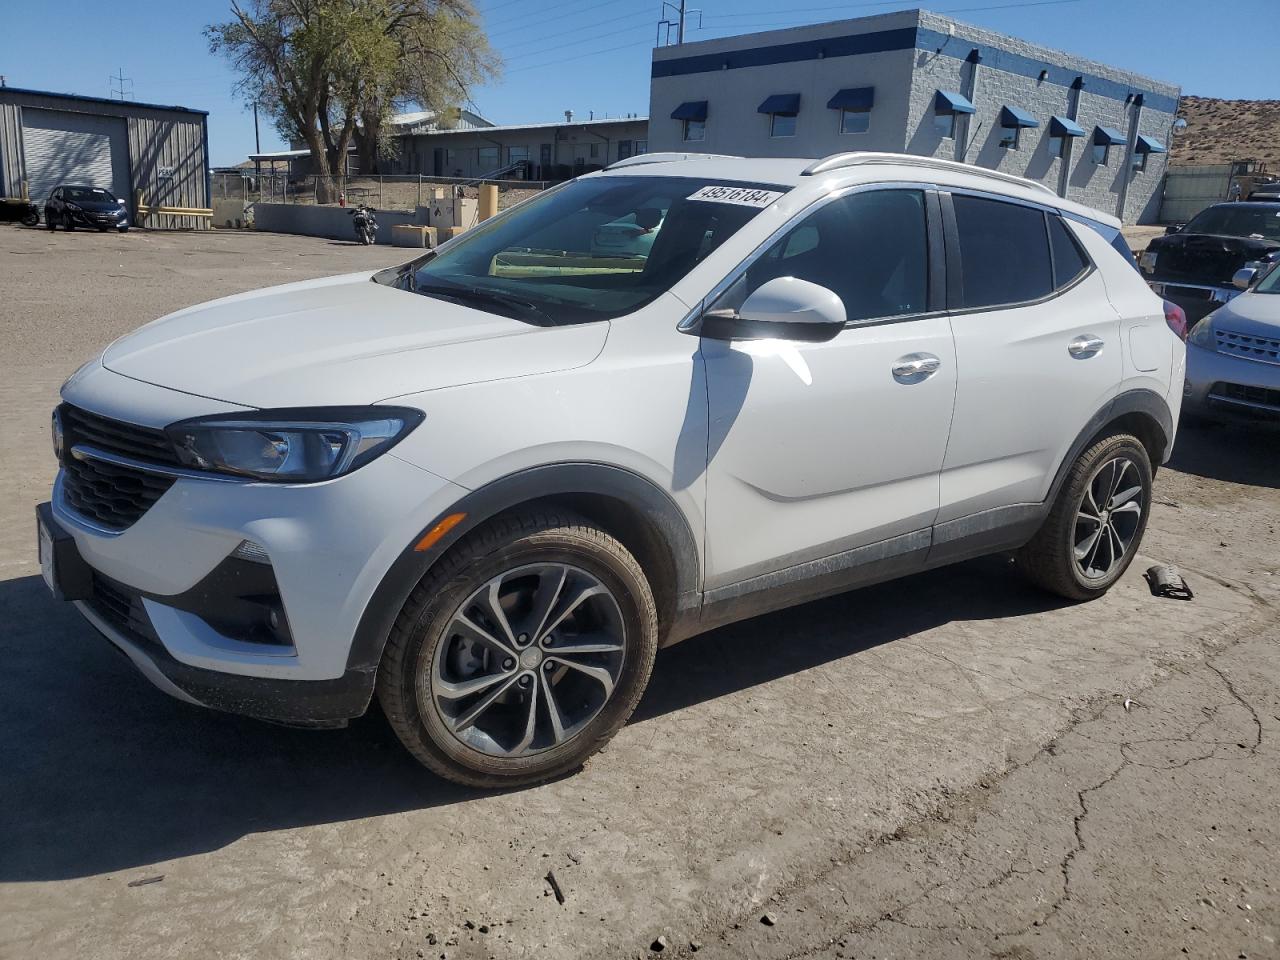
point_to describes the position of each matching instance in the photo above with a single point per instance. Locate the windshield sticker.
(743, 196)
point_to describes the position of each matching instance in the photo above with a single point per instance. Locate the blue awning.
(780, 103)
(1065, 127)
(854, 98)
(1107, 137)
(1150, 145)
(690, 110)
(948, 101)
(1017, 117)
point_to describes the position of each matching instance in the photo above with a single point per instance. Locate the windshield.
(594, 249)
(1238, 220)
(88, 194)
(1270, 283)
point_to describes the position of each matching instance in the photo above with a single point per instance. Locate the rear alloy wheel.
(521, 653)
(1095, 527)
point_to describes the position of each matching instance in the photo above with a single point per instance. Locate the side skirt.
(992, 531)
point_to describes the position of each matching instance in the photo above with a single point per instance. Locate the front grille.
(108, 494)
(116, 436)
(111, 496)
(1261, 396)
(121, 608)
(1262, 349)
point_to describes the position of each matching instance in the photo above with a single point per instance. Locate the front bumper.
(1222, 385)
(87, 218)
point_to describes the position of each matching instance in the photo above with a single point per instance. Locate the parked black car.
(72, 207)
(23, 211)
(1193, 265)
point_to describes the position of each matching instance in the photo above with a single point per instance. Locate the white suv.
(488, 485)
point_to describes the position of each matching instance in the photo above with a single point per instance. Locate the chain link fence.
(405, 193)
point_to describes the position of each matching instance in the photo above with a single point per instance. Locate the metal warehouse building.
(916, 82)
(51, 138)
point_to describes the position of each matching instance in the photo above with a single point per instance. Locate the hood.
(98, 206)
(1252, 314)
(341, 340)
(1205, 257)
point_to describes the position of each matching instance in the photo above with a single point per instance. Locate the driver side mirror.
(785, 308)
(1174, 228)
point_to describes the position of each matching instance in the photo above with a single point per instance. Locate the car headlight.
(291, 446)
(1202, 335)
(74, 206)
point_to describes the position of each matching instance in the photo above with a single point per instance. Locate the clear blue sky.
(585, 55)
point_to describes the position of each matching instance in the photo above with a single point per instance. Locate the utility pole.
(257, 143)
(679, 9)
(118, 84)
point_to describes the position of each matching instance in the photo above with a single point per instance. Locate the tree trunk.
(320, 166)
(367, 142)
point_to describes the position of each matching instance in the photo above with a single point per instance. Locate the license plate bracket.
(63, 569)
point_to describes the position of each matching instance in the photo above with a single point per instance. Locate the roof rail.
(840, 160)
(642, 158)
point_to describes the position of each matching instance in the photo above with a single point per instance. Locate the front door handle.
(1085, 346)
(915, 367)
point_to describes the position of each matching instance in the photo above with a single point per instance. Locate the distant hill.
(1222, 130)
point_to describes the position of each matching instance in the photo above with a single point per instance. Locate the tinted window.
(1004, 252)
(870, 248)
(1068, 261)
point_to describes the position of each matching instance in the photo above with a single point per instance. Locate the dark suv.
(73, 207)
(1193, 265)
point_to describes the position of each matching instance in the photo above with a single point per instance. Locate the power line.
(562, 46)
(590, 26)
(514, 26)
(593, 53)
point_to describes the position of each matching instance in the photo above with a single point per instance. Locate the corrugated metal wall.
(167, 157)
(10, 150)
(1189, 189)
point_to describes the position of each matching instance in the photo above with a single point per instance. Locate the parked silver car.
(1233, 355)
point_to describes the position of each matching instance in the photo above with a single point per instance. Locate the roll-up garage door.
(74, 148)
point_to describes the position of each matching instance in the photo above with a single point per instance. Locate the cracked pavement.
(938, 767)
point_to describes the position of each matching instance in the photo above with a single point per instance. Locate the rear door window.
(1004, 252)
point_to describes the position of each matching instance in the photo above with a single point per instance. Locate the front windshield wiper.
(523, 309)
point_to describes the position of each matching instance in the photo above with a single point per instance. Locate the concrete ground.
(953, 765)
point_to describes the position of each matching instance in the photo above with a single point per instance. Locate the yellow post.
(488, 200)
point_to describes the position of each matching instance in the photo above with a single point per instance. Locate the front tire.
(1096, 524)
(521, 652)
(67, 223)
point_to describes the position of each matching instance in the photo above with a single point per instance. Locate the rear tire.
(502, 732)
(1096, 524)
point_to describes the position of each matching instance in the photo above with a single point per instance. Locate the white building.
(916, 82)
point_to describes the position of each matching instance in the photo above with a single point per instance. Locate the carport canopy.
(948, 101)
(1016, 117)
(1064, 127)
(780, 103)
(1107, 137)
(690, 110)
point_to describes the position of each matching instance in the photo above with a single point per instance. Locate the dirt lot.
(949, 766)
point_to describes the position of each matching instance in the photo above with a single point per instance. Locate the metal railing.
(406, 192)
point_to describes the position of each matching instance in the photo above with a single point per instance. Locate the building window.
(1009, 137)
(595, 150)
(855, 121)
(519, 155)
(624, 149)
(1139, 161)
(1101, 153)
(1057, 146)
(945, 125)
(695, 130)
(487, 158)
(782, 124)
(642, 146)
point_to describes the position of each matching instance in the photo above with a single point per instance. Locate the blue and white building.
(915, 82)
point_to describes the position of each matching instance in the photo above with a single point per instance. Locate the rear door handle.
(1085, 346)
(915, 367)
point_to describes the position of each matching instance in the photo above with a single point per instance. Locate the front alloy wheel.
(522, 651)
(527, 661)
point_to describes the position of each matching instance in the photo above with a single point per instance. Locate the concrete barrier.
(412, 235)
(331, 222)
(230, 213)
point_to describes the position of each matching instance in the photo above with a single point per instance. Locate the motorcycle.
(365, 224)
(24, 211)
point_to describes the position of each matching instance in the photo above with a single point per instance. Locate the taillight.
(1176, 318)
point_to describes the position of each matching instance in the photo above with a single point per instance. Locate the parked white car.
(1233, 355)
(488, 485)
